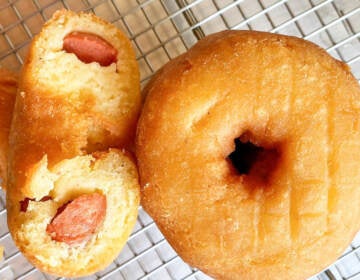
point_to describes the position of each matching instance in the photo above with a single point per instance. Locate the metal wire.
(161, 30)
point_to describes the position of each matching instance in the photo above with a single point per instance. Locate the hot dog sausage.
(78, 219)
(90, 48)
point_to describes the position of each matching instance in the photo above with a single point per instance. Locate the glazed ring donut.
(248, 151)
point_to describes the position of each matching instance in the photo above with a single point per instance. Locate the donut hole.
(256, 163)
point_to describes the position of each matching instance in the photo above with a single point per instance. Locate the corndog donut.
(56, 234)
(72, 201)
(248, 148)
(8, 87)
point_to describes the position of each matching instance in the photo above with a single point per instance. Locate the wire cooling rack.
(161, 30)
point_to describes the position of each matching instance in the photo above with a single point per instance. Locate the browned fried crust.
(8, 87)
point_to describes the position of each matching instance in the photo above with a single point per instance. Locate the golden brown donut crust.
(8, 87)
(279, 92)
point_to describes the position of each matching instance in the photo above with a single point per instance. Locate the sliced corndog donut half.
(83, 68)
(81, 225)
(71, 200)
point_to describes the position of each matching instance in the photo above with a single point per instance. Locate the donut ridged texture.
(284, 93)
